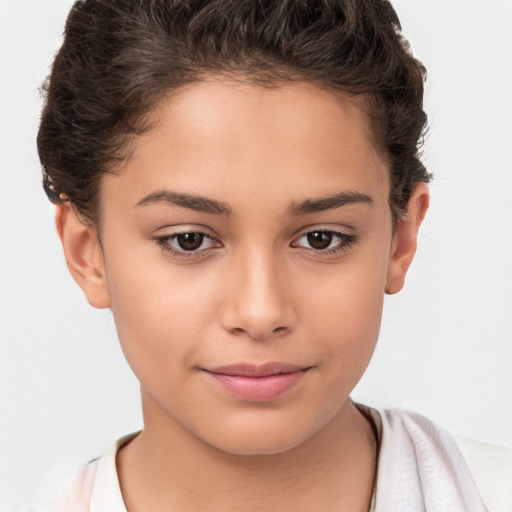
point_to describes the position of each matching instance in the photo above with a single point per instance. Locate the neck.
(168, 468)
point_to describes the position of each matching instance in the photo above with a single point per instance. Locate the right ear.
(84, 255)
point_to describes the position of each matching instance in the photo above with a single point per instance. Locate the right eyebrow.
(192, 202)
(330, 202)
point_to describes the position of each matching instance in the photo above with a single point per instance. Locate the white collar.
(420, 467)
(106, 492)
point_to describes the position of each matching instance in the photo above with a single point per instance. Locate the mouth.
(257, 383)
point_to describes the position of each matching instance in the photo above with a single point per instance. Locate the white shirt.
(421, 467)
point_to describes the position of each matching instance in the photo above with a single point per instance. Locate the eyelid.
(347, 240)
(347, 237)
(167, 233)
(179, 229)
(331, 228)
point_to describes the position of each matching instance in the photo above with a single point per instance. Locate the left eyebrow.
(328, 203)
(192, 202)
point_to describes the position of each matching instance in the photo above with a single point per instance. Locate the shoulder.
(75, 494)
(95, 488)
(446, 467)
(491, 469)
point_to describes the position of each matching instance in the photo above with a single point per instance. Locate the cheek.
(160, 311)
(344, 311)
(349, 322)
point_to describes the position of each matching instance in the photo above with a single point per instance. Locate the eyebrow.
(196, 203)
(328, 203)
(207, 205)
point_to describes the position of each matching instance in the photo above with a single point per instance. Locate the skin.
(255, 291)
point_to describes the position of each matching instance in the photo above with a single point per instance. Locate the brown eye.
(320, 239)
(325, 242)
(188, 244)
(190, 241)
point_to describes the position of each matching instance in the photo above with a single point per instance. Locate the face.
(246, 249)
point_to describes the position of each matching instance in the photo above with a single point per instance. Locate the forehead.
(220, 134)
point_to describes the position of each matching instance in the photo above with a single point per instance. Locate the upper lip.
(253, 370)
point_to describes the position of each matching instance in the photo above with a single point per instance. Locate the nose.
(258, 301)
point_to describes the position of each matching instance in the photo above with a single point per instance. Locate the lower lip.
(258, 389)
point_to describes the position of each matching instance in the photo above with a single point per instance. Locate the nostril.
(258, 311)
(254, 334)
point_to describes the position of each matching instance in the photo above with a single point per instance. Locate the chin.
(249, 446)
(259, 437)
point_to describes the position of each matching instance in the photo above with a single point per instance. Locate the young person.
(240, 183)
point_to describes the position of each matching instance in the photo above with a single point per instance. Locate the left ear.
(405, 238)
(84, 255)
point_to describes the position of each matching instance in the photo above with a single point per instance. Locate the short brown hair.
(121, 57)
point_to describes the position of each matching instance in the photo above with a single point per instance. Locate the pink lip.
(257, 383)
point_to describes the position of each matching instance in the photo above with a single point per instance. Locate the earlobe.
(84, 256)
(405, 239)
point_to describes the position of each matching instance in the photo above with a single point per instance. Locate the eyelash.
(165, 241)
(345, 241)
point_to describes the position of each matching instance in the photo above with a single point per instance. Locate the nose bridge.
(258, 303)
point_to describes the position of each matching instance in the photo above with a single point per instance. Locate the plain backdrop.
(445, 347)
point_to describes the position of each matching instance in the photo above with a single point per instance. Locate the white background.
(445, 347)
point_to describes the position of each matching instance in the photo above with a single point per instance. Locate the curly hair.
(120, 58)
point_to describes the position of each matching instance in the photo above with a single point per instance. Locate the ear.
(405, 238)
(83, 254)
